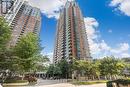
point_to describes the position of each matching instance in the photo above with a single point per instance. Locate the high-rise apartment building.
(14, 9)
(71, 38)
(28, 19)
(23, 19)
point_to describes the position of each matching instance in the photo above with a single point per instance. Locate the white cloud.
(122, 5)
(50, 55)
(93, 37)
(126, 54)
(91, 24)
(122, 48)
(98, 46)
(109, 31)
(50, 8)
(115, 2)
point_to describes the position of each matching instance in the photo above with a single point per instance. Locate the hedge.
(119, 81)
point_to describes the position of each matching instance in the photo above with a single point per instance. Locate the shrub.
(119, 81)
(109, 84)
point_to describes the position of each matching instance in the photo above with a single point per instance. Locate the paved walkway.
(57, 83)
(70, 85)
(61, 83)
(96, 85)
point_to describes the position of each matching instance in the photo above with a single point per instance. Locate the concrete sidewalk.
(59, 85)
(64, 85)
(70, 85)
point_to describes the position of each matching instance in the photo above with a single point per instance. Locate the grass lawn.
(15, 81)
(89, 82)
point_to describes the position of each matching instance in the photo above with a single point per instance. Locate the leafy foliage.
(40, 63)
(24, 57)
(5, 33)
(28, 46)
(111, 66)
(27, 51)
(108, 66)
(64, 67)
(5, 54)
(50, 70)
(61, 69)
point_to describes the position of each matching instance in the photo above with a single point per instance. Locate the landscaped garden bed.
(88, 82)
(15, 82)
(119, 83)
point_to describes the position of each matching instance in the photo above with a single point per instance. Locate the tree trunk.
(23, 75)
(86, 77)
(78, 77)
(105, 77)
(98, 77)
(73, 77)
(93, 78)
(115, 77)
(110, 77)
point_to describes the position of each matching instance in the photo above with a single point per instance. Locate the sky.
(107, 25)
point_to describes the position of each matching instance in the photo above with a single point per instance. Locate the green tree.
(28, 46)
(6, 59)
(5, 33)
(61, 69)
(50, 70)
(5, 54)
(26, 50)
(64, 67)
(82, 68)
(40, 63)
(57, 71)
(95, 69)
(111, 66)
